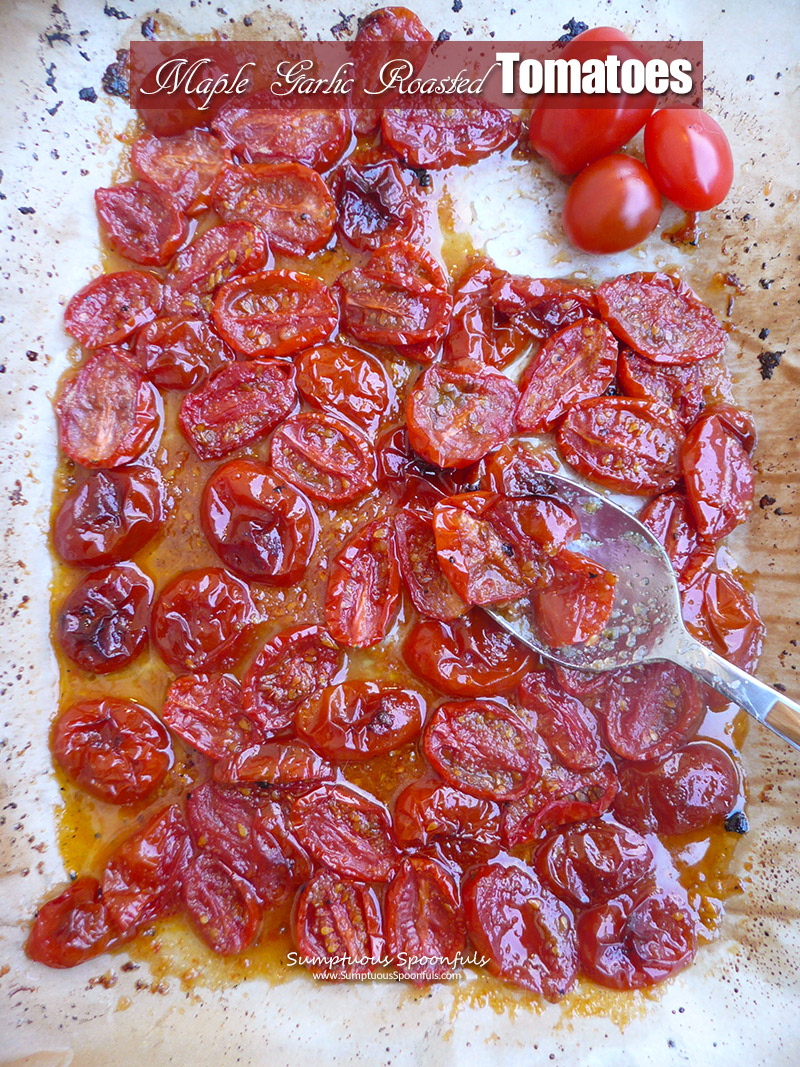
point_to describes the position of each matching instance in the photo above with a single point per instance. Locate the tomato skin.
(542, 306)
(650, 710)
(558, 797)
(575, 363)
(111, 307)
(114, 749)
(512, 471)
(107, 413)
(660, 318)
(238, 403)
(612, 204)
(353, 383)
(720, 479)
(346, 831)
(71, 928)
(567, 726)
(316, 138)
(450, 825)
(142, 880)
(531, 947)
(576, 603)
(205, 711)
(377, 202)
(290, 202)
(102, 624)
(628, 944)
(456, 415)
(435, 137)
(687, 388)
(340, 920)
(589, 864)
(476, 330)
(720, 612)
(202, 620)
(481, 748)
(689, 157)
(570, 138)
(360, 720)
(176, 352)
(223, 908)
(109, 515)
(538, 528)
(274, 763)
(261, 528)
(217, 255)
(323, 456)
(140, 222)
(387, 307)
(470, 656)
(363, 595)
(289, 669)
(630, 445)
(424, 923)
(184, 166)
(431, 593)
(669, 517)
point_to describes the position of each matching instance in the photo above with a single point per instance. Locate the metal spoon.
(645, 623)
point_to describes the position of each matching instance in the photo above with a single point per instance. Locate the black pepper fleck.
(737, 823)
(763, 333)
(766, 501)
(457, 5)
(769, 361)
(149, 28)
(88, 94)
(114, 12)
(27, 210)
(573, 28)
(443, 36)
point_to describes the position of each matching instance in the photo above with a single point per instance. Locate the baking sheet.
(739, 1003)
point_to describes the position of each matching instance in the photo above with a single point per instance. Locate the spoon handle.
(764, 703)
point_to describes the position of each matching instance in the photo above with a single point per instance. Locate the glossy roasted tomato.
(527, 932)
(274, 764)
(324, 456)
(377, 202)
(111, 307)
(650, 710)
(274, 313)
(691, 789)
(239, 403)
(107, 413)
(217, 255)
(630, 445)
(444, 136)
(223, 908)
(142, 880)
(108, 516)
(205, 711)
(514, 469)
(612, 204)
(290, 202)
(719, 477)
(537, 528)
(458, 414)
(687, 388)
(73, 927)
(347, 831)
(477, 331)
(176, 352)
(445, 822)
(184, 166)
(315, 137)
(141, 222)
(202, 620)
(661, 318)
(558, 797)
(562, 720)
(114, 749)
(424, 924)
(569, 138)
(471, 656)
(360, 720)
(720, 612)
(353, 383)
(102, 624)
(574, 602)
(430, 591)
(477, 561)
(337, 921)
(669, 517)
(585, 865)
(481, 748)
(689, 157)
(577, 362)
(363, 594)
(627, 943)
(260, 526)
(542, 306)
(288, 670)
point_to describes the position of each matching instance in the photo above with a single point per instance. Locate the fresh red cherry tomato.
(184, 166)
(360, 720)
(223, 908)
(337, 921)
(114, 749)
(612, 204)
(73, 927)
(689, 157)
